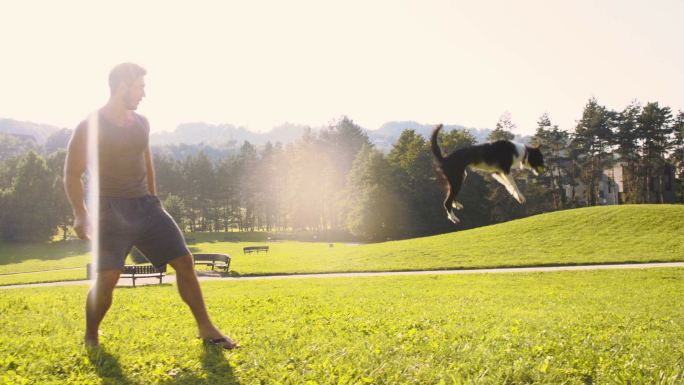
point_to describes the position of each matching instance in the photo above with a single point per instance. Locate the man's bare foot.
(222, 342)
(213, 336)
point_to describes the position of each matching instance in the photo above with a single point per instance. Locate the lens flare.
(93, 190)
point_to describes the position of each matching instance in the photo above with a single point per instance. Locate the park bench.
(216, 261)
(143, 271)
(190, 240)
(138, 271)
(252, 249)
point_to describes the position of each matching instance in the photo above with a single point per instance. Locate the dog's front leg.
(504, 182)
(516, 193)
(507, 181)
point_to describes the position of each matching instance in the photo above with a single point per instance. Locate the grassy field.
(18, 258)
(643, 233)
(598, 327)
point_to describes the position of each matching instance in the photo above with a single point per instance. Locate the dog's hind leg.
(448, 202)
(456, 204)
(455, 182)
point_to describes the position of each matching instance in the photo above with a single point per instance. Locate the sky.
(259, 64)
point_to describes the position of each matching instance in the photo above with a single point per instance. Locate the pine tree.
(554, 145)
(411, 157)
(656, 133)
(504, 128)
(677, 156)
(592, 141)
(338, 145)
(452, 140)
(168, 174)
(175, 206)
(309, 176)
(229, 192)
(626, 140)
(377, 211)
(247, 164)
(199, 190)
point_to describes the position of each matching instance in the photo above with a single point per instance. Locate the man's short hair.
(124, 73)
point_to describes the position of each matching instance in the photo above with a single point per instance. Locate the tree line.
(335, 184)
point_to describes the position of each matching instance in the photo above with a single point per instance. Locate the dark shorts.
(139, 222)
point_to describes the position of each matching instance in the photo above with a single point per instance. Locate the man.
(130, 213)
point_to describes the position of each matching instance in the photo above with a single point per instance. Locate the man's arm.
(74, 167)
(151, 185)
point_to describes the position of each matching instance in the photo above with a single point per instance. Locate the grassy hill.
(608, 234)
(643, 233)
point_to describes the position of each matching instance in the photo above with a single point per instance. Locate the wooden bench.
(252, 249)
(216, 261)
(137, 271)
(143, 271)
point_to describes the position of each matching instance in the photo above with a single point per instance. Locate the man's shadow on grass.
(216, 370)
(107, 367)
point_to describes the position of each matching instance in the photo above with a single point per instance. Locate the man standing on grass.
(130, 212)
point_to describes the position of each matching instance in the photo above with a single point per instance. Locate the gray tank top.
(123, 172)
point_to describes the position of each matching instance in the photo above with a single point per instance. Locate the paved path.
(172, 278)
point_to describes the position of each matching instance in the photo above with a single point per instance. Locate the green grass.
(643, 233)
(18, 258)
(591, 327)
(44, 276)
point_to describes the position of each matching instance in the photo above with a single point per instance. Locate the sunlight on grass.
(569, 327)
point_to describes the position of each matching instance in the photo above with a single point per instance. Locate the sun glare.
(93, 190)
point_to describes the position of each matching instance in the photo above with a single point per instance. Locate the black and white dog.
(496, 157)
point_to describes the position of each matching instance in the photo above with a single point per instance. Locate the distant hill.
(222, 134)
(389, 132)
(394, 129)
(385, 136)
(39, 132)
(228, 136)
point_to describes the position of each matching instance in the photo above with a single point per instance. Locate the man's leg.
(98, 302)
(191, 293)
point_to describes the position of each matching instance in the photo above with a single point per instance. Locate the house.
(612, 189)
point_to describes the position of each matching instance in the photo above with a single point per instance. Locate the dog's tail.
(439, 159)
(435, 146)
